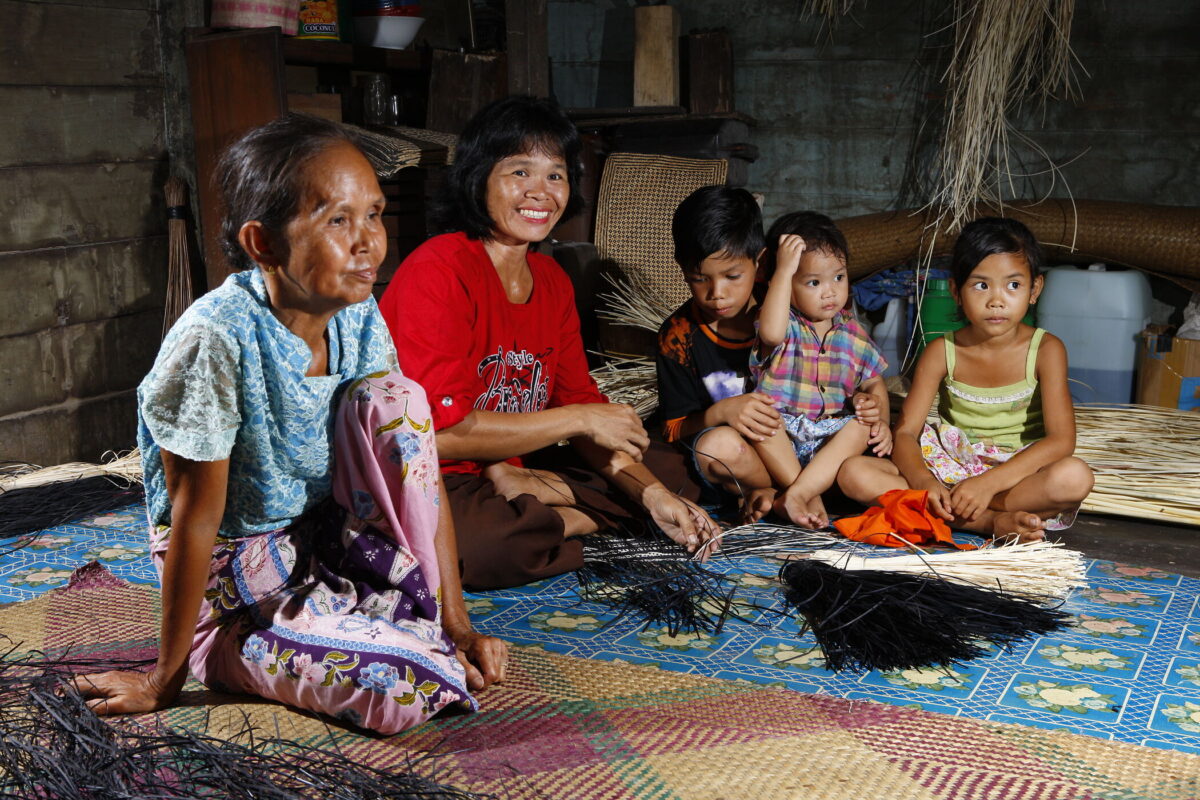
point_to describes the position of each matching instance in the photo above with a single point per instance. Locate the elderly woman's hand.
(124, 692)
(485, 658)
(683, 521)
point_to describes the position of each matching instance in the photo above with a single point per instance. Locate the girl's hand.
(939, 500)
(881, 437)
(971, 497)
(683, 522)
(484, 658)
(866, 408)
(750, 414)
(124, 692)
(788, 253)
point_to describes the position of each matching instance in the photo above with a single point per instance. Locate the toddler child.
(704, 349)
(999, 460)
(817, 365)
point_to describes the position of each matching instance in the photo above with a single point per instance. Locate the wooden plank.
(79, 203)
(77, 430)
(462, 83)
(68, 285)
(528, 47)
(57, 125)
(79, 45)
(708, 72)
(656, 56)
(236, 85)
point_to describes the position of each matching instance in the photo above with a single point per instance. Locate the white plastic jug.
(889, 334)
(1099, 314)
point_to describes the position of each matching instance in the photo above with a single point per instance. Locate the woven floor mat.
(564, 727)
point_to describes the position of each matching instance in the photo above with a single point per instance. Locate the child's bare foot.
(816, 510)
(757, 504)
(1017, 526)
(513, 482)
(794, 506)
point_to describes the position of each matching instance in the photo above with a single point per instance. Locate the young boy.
(704, 348)
(817, 365)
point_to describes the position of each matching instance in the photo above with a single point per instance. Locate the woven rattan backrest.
(638, 196)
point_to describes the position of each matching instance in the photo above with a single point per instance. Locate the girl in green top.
(999, 461)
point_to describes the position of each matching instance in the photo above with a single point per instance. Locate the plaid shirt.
(812, 378)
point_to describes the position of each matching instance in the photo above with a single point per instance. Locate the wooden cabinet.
(238, 80)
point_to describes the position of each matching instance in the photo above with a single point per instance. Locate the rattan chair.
(638, 196)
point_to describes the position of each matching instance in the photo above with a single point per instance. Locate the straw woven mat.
(402, 147)
(1161, 239)
(564, 727)
(638, 196)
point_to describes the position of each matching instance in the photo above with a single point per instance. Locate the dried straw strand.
(634, 304)
(630, 380)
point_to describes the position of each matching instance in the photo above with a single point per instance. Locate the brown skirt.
(504, 543)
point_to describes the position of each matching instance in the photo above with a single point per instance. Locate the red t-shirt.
(458, 335)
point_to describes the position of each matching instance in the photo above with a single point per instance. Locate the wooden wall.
(83, 248)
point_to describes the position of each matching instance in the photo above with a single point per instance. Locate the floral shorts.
(809, 435)
(952, 457)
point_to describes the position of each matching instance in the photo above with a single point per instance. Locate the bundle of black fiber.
(874, 619)
(53, 747)
(655, 580)
(34, 508)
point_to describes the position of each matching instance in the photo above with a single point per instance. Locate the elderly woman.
(489, 328)
(331, 587)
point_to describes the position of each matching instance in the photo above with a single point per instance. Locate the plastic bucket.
(1099, 315)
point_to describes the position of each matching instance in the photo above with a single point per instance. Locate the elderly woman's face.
(336, 241)
(526, 196)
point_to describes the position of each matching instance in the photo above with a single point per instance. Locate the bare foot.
(793, 506)
(816, 510)
(1017, 526)
(512, 482)
(757, 504)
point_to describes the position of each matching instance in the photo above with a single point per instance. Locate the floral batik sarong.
(952, 457)
(340, 613)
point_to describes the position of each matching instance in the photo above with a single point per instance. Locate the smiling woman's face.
(526, 196)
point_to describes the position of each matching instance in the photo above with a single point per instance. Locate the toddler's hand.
(866, 408)
(881, 437)
(788, 253)
(752, 415)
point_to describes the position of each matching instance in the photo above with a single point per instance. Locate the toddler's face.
(722, 286)
(821, 286)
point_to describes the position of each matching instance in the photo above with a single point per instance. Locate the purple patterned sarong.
(341, 612)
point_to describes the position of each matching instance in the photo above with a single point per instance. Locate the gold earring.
(270, 270)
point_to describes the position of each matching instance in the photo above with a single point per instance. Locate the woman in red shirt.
(491, 332)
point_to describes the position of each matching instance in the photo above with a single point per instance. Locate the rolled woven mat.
(1164, 240)
(391, 149)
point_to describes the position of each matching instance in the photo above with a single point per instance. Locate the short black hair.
(716, 220)
(503, 128)
(988, 236)
(258, 175)
(819, 232)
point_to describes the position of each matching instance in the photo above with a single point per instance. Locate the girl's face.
(526, 196)
(821, 286)
(998, 293)
(336, 242)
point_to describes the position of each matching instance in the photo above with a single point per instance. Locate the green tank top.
(1008, 417)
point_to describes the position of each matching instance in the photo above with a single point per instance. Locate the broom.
(179, 269)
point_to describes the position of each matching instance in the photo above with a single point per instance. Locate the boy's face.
(821, 286)
(721, 286)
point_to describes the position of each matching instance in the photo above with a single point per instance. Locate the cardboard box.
(1168, 371)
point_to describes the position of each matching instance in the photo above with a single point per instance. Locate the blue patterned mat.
(1128, 670)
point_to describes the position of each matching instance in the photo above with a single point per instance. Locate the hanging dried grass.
(1146, 460)
(179, 268)
(629, 380)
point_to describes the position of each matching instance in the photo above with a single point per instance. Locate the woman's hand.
(615, 427)
(751, 414)
(682, 521)
(124, 692)
(971, 497)
(484, 658)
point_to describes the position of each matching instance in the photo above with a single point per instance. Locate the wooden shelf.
(317, 53)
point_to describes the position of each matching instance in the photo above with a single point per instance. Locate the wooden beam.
(656, 56)
(528, 47)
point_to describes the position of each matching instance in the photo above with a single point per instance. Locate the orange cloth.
(903, 513)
